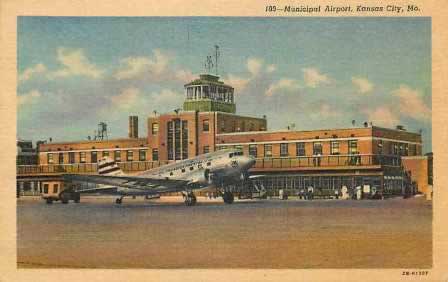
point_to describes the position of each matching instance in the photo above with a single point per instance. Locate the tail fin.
(107, 166)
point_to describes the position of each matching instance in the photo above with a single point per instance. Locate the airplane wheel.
(118, 201)
(190, 200)
(49, 201)
(228, 197)
(64, 201)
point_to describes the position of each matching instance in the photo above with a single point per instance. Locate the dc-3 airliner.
(212, 169)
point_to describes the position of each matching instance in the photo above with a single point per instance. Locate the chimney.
(133, 126)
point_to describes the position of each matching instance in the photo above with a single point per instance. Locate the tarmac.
(164, 233)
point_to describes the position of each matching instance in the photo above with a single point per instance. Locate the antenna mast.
(216, 58)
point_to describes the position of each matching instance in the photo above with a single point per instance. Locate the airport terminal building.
(388, 160)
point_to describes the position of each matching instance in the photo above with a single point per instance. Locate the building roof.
(207, 79)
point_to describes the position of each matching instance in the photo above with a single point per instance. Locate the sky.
(311, 73)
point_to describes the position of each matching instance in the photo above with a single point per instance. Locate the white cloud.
(313, 77)
(75, 63)
(185, 75)
(133, 67)
(28, 98)
(254, 65)
(31, 71)
(383, 116)
(284, 84)
(239, 83)
(166, 98)
(326, 111)
(362, 84)
(126, 99)
(271, 68)
(412, 104)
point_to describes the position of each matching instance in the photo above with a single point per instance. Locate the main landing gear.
(228, 197)
(190, 199)
(119, 201)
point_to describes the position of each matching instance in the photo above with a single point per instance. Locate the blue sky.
(314, 72)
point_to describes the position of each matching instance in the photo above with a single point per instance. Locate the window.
(300, 149)
(61, 158)
(253, 151)
(183, 170)
(45, 188)
(55, 188)
(394, 148)
(50, 158)
(94, 157)
(353, 147)
(184, 139)
(401, 146)
(82, 157)
(206, 149)
(155, 128)
(71, 157)
(105, 154)
(283, 149)
(268, 150)
(334, 148)
(223, 126)
(317, 148)
(191, 168)
(205, 126)
(380, 147)
(117, 156)
(155, 154)
(129, 156)
(142, 155)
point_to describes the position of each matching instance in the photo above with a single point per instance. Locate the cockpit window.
(230, 155)
(235, 154)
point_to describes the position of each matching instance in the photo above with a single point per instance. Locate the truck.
(55, 191)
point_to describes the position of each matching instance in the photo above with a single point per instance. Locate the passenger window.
(191, 168)
(183, 170)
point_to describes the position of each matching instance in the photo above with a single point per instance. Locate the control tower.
(208, 94)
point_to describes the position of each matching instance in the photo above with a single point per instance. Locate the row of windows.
(400, 149)
(191, 168)
(300, 149)
(206, 126)
(94, 156)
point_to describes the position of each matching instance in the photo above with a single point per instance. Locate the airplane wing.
(132, 182)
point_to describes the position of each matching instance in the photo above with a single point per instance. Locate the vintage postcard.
(273, 141)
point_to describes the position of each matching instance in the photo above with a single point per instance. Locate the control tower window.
(206, 93)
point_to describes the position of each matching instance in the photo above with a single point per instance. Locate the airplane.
(212, 169)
